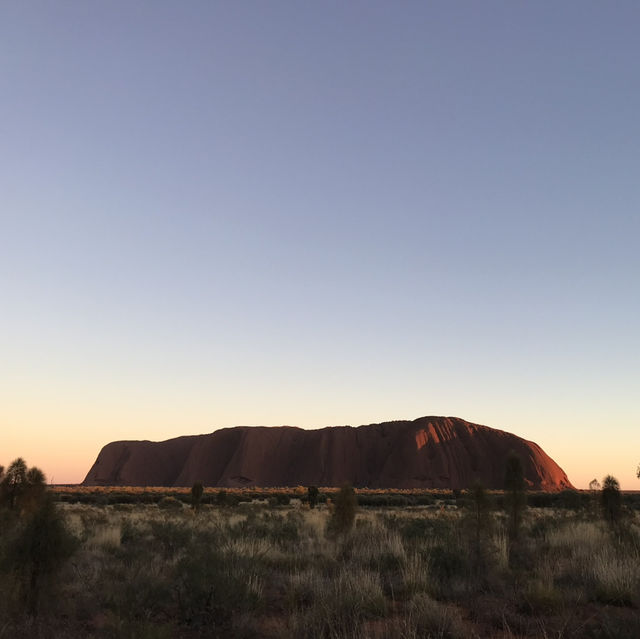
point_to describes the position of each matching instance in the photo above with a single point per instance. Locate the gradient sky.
(225, 213)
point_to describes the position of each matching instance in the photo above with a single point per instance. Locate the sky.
(317, 214)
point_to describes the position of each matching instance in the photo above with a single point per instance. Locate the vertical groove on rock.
(429, 452)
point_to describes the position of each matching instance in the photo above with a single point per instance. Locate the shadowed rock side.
(430, 452)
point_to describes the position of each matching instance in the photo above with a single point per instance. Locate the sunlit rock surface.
(429, 452)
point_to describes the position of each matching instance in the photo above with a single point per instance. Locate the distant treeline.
(106, 495)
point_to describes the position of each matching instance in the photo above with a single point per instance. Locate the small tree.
(637, 472)
(594, 488)
(41, 546)
(35, 488)
(611, 500)
(196, 495)
(36, 542)
(312, 496)
(22, 488)
(14, 483)
(344, 511)
(478, 523)
(515, 498)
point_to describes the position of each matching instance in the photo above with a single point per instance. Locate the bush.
(212, 589)
(337, 607)
(170, 503)
(196, 495)
(170, 536)
(282, 499)
(479, 513)
(429, 618)
(515, 499)
(344, 512)
(312, 496)
(36, 550)
(447, 564)
(21, 488)
(223, 499)
(570, 499)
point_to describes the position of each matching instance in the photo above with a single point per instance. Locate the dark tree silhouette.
(312, 495)
(22, 488)
(611, 499)
(36, 541)
(515, 498)
(40, 548)
(480, 507)
(14, 483)
(196, 495)
(344, 511)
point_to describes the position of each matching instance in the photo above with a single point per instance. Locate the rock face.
(430, 452)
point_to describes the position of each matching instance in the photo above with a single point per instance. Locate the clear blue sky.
(221, 213)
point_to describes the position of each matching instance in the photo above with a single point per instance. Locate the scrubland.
(266, 568)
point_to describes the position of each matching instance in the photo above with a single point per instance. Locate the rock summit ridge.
(428, 452)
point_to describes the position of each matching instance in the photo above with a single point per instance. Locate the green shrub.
(335, 607)
(571, 499)
(282, 531)
(36, 549)
(21, 488)
(223, 498)
(430, 618)
(170, 503)
(171, 536)
(448, 563)
(312, 496)
(213, 590)
(282, 499)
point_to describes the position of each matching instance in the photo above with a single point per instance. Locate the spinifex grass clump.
(261, 572)
(213, 586)
(336, 606)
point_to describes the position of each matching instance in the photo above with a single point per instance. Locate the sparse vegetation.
(248, 568)
(34, 541)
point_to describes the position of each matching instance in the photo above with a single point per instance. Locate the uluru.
(429, 452)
